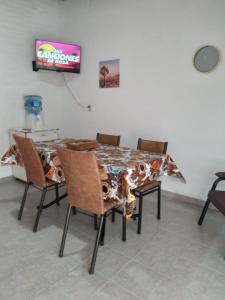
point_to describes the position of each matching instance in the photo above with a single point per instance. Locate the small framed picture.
(109, 73)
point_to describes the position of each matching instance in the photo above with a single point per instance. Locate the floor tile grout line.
(120, 267)
(206, 267)
(57, 281)
(125, 289)
(100, 288)
(120, 285)
(149, 268)
(192, 219)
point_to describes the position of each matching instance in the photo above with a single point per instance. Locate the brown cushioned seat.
(108, 204)
(107, 139)
(153, 186)
(85, 192)
(35, 175)
(147, 186)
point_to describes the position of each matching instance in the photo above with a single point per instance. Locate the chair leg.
(95, 252)
(113, 215)
(39, 210)
(140, 214)
(95, 222)
(66, 225)
(23, 200)
(124, 237)
(102, 239)
(134, 217)
(159, 203)
(204, 211)
(74, 210)
(57, 194)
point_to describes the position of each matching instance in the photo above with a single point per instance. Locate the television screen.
(57, 56)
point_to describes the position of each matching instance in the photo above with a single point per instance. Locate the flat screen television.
(56, 56)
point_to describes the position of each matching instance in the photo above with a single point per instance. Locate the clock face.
(206, 58)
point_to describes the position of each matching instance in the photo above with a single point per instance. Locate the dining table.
(121, 169)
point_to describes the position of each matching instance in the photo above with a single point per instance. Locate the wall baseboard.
(169, 195)
(6, 179)
(183, 198)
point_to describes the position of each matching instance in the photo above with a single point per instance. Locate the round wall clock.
(206, 58)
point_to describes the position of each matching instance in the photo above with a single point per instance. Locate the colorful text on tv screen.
(57, 56)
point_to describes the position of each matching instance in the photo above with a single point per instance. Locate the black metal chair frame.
(113, 210)
(206, 206)
(140, 196)
(41, 206)
(99, 237)
(140, 207)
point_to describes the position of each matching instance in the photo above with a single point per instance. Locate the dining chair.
(108, 139)
(85, 192)
(113, 140)
(35, 175)
(216, 197)
(151, 186)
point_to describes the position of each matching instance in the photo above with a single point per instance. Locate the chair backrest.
(108, 139)
(32, 162)
(152, 146)
(82, 179)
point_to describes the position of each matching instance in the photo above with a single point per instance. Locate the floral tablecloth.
(121, 169)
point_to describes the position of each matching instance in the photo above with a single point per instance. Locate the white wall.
(161, 96)
(21, 22)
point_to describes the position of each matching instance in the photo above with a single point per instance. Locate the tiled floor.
(172, 259)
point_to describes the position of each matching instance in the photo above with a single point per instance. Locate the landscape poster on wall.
(109, 73)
